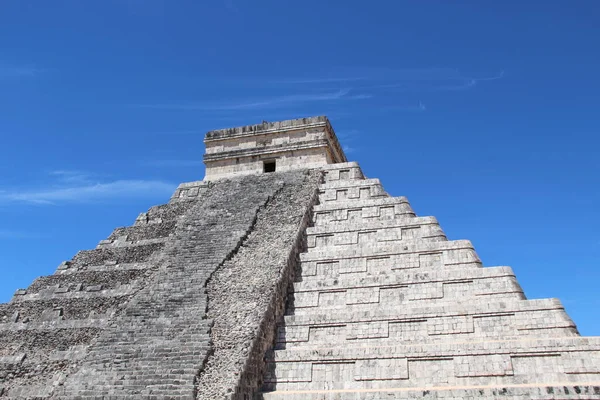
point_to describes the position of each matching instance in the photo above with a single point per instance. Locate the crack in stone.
(229, 256)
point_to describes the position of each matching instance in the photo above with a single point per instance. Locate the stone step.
(353, 212)
(342, 171)
(397, 231)
(415, 222)
(93, 321)
(48, 342)
(583, 389)
(382, 248)
(389, 257)
(354, 298)
(122, 242)
(401, 289)
(350, 183)
(136, 233)
(86, 281)
(351, 190)
(423, 320)
(108, 266)
(163, 213)
(403, 277)
(471, 362)
(27, 390)
(66, 292)
(190, 191)
(117, 255)
(75, 306)
(416, 331)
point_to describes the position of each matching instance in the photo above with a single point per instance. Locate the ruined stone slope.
(129, 319)
(48, 328)
(247, 294)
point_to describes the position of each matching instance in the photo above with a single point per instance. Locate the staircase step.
(567, 390)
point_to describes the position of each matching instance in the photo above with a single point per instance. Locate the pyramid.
(286, 274)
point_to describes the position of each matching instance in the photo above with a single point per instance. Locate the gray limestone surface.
(247, 293)
(129, 319)
(47, 329)
(310, 282)
(386, 307)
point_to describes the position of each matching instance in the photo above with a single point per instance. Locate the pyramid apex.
(271, 146)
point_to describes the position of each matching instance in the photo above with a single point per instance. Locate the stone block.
(381, 369)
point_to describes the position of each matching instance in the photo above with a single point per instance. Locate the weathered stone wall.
(385, 306)
(128, 319)
(158, 345)
(247, 293)
(47, 329)
(293, 144)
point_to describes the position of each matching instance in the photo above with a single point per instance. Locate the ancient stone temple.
(286, 274)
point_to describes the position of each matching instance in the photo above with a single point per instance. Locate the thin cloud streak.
(471, 82)
(301, 81)
(360, 84)
(435, 83)
(374, 75)
(17, 72)
(279, 101)
(172, 163)
(418, 108)
(88, 192)
(70, 176)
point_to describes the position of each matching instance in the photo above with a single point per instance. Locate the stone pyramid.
(284, 275)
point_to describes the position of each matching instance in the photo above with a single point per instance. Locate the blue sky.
(484, 114)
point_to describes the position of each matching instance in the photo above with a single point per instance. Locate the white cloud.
(348, 149)
(172, 163)
(64, 175)
(86, 192)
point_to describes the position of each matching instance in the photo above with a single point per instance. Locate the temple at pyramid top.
(271, 146)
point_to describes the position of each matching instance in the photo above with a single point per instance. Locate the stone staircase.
(48, 328)
(149, 313)
(386, 307)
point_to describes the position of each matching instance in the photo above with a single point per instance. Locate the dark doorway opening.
(269, 166)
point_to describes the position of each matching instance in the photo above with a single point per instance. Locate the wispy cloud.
(73, 187)
(419, 107)
(424, 81)
(300, 81)
(273, 102)
(11, 71)
(375, 88)
(348, 149)
(172, 163)
(468, 83)
(175, 133)
(70, 176)
(348, 137)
